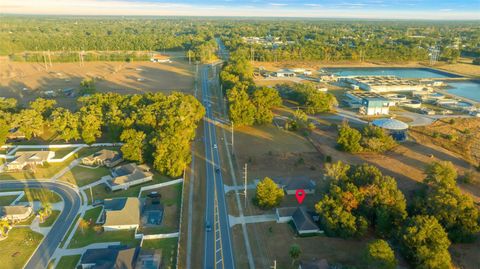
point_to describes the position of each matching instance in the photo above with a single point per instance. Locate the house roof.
(286, 211)
(129, 172)
(303, 220)
(105, 155)
(116, 215)
(295, 183)
(13, 210)
(315, 264)
(32, 156)
(117, 257)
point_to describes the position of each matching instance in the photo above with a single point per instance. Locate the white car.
(215, 146)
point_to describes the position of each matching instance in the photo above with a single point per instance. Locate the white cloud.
(278, 4)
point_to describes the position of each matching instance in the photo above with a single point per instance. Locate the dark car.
(217, 169)
(208, 226)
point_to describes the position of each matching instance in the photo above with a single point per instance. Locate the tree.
(443, 199)
(134, 143)
(241, 109)
(83, 224)
(7, 104)
(337, 171)
(379, 255)
(43, 106)
(4, 227)
(91, 123)
(295, 252)
(4, 131)
(87, 86)
(375, 139)
(349, 139)
(65, 124)
(268, 193)
(425, 243)
(30, 123)
(265, 99)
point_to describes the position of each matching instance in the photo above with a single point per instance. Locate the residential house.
(303, 221)
(121, 214)
(291, 185)
(113, 257)
(104, 157)
(149, 259)
(23, 159)
(15, 213)
(129, 175)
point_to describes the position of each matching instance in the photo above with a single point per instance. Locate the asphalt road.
(218, 245)
(47, 247)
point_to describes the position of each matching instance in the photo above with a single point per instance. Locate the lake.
(391, 71)
(467, 89)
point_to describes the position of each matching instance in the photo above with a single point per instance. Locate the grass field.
(168, 246)
(89, 236)
(81, 176)
(68, 262)
(7, 200)
(17, 248)
(121, 77)
(51, 219)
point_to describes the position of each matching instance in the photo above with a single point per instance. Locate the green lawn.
(101, 191)
(68, 262)
(92, 214)
(7, 200)
(169, 250)
(43, 195)
(17, 248)
(51, 219)
(81, 176)
(89, 236)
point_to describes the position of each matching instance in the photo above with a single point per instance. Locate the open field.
(68, 262)
(168, 246)
(136, 77)
(12, 256)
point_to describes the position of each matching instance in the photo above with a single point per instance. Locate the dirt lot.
(136, 77)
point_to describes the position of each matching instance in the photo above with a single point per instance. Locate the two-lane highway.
(72, 201)
(218, 245)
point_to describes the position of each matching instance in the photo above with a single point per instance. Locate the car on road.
(215, 146)
(208, 226)
(217, 169)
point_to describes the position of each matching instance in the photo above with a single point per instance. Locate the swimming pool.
(391, 71)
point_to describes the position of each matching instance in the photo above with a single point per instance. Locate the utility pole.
(274, 265)
(45, 61)
(49, 59)
(232, 140)
(245, 184)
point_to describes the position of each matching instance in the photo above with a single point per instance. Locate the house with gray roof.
(302, 220)
(129, 175)
(113, 257)
(104, 157)
(121, 214)
(291, 185)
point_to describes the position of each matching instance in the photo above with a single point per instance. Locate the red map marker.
(300, 195)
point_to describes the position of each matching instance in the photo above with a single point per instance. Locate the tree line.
(154, 127)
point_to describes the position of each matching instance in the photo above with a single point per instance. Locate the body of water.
(391, 71)
(467, 89)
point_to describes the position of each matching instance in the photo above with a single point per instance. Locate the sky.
(366, 9)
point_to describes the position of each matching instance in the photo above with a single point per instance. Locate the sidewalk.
(251, 219)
